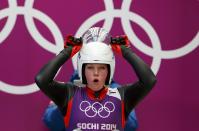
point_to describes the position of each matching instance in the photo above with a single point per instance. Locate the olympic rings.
(108, 15)
(91, 110)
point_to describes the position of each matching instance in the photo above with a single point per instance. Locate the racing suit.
(106, 109)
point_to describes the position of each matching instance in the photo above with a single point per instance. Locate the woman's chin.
(96, 87)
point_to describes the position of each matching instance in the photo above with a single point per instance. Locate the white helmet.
(96, 49)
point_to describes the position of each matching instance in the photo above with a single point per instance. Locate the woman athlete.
(95, 106)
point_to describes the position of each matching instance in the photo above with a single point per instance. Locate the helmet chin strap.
(100, 94)
(97, 93)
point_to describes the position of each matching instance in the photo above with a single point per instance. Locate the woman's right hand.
(75, 43)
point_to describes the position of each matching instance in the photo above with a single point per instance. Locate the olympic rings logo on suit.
(96, 108)
(108, 15)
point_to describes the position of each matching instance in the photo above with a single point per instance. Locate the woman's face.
(96, 75)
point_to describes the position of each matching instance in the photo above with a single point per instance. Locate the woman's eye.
(89, 67)
(102, 67)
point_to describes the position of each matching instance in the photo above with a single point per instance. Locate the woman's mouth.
(95, 80)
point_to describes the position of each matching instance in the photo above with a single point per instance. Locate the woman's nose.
(96, 71)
